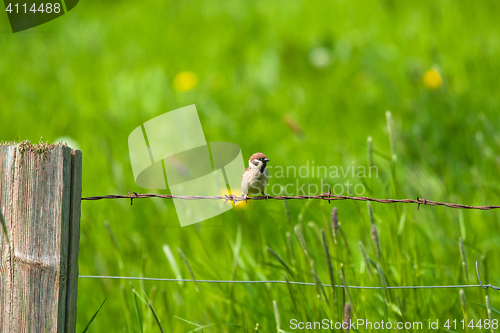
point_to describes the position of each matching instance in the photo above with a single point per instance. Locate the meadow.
(302, 82)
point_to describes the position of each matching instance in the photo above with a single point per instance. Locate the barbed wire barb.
(325, 196)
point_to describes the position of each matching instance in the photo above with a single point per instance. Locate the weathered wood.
(40, 188)
(74, 239)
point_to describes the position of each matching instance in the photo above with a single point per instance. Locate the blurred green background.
(300, 81)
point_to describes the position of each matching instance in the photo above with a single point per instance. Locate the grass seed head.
(347, 314)
(464, 259)
(488, 309)
(370, 212)
(335, 224)
(302, 242)
(369, 148)
(376, 240)
(463, 301)
(390, 130)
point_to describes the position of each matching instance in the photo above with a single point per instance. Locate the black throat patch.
(263, 167)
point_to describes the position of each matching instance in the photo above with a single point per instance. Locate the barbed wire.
(325, 196)
(480, 285)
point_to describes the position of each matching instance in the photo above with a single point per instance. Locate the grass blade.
(287, 213)
(402, 221)
(365, 259)
(328, 263)
(150, 305)
(376, 241)
(281, 260)
(464, 259)
(484, 307)
(198, 326)
(400, 305)
(289, 286)
(461, 223)
(369, 148)
(374, 232)
(111, 235)
(183, 257)
(173, 263)
(370, 212)
(236, 252)
(93, 317)
(187, 321)
(137, 308)
(291, 250)
(346, 242)
(277, 316)
(317, 282)
(346, 288)
(302, 243)
(201, 328)
(383, 282)
(463, 301)
(390, 130)
(488, 310)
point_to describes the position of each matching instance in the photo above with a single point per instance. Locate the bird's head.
(258, 160)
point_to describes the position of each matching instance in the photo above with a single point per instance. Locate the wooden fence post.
(40, 191)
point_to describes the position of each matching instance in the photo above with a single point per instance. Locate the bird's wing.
(264, 179)
(245, 172)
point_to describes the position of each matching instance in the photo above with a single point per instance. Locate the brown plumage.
(255, 177)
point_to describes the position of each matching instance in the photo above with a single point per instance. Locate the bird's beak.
(266, 160)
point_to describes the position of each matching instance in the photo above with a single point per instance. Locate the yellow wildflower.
(432, 79)
(185, 81)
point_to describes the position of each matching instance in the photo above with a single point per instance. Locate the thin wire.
(325, 196)
(271, 281)
(486, 286)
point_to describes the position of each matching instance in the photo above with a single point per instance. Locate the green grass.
(103, 69)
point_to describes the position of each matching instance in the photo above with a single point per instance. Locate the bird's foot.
(266, 195)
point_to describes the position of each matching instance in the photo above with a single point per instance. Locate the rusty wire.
(325, 196)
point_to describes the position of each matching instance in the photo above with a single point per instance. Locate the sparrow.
(255, 177)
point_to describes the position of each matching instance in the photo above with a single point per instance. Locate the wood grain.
(74, 239)
(39, 187)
